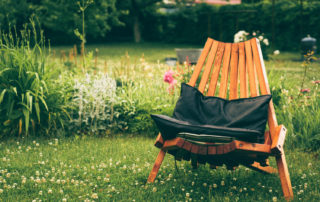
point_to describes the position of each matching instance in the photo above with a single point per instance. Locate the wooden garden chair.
(241, 63)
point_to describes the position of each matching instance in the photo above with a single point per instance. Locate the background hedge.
(111, 20)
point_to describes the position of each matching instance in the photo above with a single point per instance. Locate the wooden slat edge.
(200, 62)
(242, 72)
(208, 67)
(249, 61)
(233, 88)
(216, 70)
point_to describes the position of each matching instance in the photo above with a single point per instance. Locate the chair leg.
(284, 176)
(156, 166)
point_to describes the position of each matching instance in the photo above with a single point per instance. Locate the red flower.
(316, 82)
(305, 90)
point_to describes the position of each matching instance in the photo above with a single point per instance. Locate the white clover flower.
(187, 195)
(40, 192)
(1, 191)
(49, 191)
(266, 42)
(274, 199)
(94, 196)
(222, 183)
(154, 189)
(260, 38)
(276, 52)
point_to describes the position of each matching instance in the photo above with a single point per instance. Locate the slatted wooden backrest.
(234, 70)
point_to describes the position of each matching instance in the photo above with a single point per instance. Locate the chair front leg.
(156, 166)
(284, 176)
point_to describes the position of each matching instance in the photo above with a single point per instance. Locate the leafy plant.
(93, 100)
(26, 101)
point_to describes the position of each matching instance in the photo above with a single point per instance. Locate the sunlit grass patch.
(116, 168)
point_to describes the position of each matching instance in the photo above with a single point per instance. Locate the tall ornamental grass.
(30, 99)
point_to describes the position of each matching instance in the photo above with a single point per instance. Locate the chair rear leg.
(257, 167)
(284, 176)
(156, 166)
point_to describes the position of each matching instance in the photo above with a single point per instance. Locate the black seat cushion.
(244, 119)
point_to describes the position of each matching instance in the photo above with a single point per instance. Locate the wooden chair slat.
(249, 61)
(200, 62)
(264, 86)
(242, 72)
(233, 88)
(263, 82)
(224, 81)
(216, 70)
(207, 70)
(226, 61)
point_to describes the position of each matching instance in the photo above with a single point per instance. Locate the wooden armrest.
(159, 141)
(278, 139)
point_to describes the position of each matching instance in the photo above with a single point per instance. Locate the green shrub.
(30, 100)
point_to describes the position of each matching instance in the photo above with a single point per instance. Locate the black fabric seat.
(242, 119)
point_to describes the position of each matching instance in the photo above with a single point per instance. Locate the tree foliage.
(61, 17)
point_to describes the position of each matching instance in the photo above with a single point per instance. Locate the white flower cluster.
(94, 95)
(240, 36)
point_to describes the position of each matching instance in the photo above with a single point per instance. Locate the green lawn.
(153, 52)
(116, 169)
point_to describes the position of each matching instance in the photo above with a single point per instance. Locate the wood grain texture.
(224, 81)
(200, 62)
(216, 70)
(156, 166)
(208, 67)
(242, 72)
(249, 61)
(284, 176)
(233, 88)
(264, 85)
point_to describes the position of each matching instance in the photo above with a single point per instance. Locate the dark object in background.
(171, 61)
(308, 44)
(190, 54)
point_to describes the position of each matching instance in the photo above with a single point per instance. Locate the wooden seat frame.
(243, 64)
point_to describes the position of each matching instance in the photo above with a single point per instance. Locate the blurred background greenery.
(283, 22)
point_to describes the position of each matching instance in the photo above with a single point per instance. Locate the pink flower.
(316, 82)
(305, 90)
(168, 76)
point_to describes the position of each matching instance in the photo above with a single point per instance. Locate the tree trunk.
(136, 29)
(136, 22)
